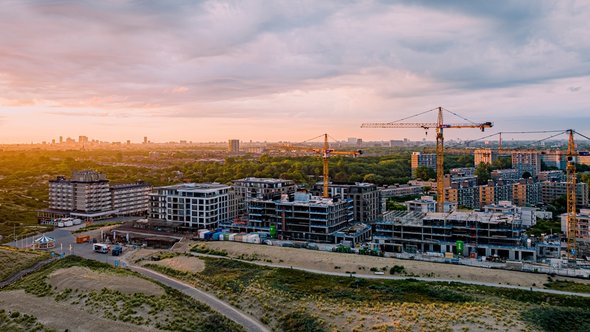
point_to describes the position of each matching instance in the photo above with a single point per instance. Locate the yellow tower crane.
(325, 152)
(572, 222)
(439, 126)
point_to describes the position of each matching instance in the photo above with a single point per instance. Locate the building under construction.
(483, 234)
(301, 217)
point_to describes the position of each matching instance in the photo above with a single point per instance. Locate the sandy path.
(182, 263)
(86, 279)
(327, 261)
(61, 316)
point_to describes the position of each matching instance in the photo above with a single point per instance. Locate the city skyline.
(287, 70)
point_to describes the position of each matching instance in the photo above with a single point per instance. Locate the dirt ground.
(182, 263)
(85, 279)
(61, 316)
(327, 261)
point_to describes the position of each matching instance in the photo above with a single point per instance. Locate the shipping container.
(216, 236)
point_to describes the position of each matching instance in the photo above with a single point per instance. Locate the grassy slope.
(12, 260)
(172, 311)
(245, 284)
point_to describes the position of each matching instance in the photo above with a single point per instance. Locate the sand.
(86, 279)
(327, 261)
(182, 263)
(60, 315)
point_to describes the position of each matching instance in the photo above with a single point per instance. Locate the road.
(249, 323)
(65, 240)
(369, 276)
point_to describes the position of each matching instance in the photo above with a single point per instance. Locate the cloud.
(309, 59)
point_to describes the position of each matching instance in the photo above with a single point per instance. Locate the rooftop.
(195, 186)
(262, 180)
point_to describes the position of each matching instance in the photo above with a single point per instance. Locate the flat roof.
(196, 186)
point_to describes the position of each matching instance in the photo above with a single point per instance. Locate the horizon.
(287, 70)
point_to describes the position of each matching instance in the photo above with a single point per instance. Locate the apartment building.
(551, 191)
(365, 198)
(191, 205)
(507, 175)
(302, 217)
(526, 192)
(233, 146)
(130, 198)
(526, 161)
(555, 176)
(420, 159)
(88, 195)
(486, 156)
(251, 188)
(583, 220)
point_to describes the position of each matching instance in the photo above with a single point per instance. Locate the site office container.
(82, 238)
(226, 236)
(238, 237)
(232, 236)
(216, 236)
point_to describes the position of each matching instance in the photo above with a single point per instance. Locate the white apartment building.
(194, 205)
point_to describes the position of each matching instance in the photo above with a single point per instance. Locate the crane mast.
(572, 224)
(440, 126)
(325, 152)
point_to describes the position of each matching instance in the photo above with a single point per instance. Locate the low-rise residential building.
(191, 205)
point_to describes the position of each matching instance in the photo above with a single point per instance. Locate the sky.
(288, 70)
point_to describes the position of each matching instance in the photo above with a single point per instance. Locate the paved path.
(369, 276)
(249, 323)
(65, 240)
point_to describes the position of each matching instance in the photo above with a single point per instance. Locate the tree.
(526, 175)
(483, 173)
(425, 173)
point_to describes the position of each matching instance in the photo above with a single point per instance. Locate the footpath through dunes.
(360, 264)
(83, 278)
(61, 316)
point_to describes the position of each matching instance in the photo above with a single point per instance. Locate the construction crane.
(325, 152)
(439, 126)
(572, 222)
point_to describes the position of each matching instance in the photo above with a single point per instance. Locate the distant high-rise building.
(53, 141)
(128, 142)
(486, 156)
(233, 145)
(527, 161)
(145, 140)
(61, 139)
(423, 159)
(83, 139)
